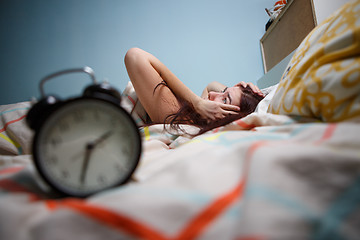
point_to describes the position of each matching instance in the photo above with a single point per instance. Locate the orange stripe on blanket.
(329, 132)
(243, 124)
(193, 229)
(14, 187)
(216, 130)
(255, 146)
(209, 214)
(11, 122)
(108, 217)
(132, 100)
(11, 170)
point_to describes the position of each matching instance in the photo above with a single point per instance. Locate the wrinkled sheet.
(262, 177)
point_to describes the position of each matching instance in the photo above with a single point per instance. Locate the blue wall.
(199, 40)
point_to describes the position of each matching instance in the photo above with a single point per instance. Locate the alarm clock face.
(87, 145)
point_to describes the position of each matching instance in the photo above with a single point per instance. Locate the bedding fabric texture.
(265, 176)
(131, 103)
(322, 80)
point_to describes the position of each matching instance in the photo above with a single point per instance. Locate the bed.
(290, 170)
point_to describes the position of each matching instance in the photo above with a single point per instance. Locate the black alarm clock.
(86, 144)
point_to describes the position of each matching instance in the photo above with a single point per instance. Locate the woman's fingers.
(230, 107)
(253, 87)
(225, 110)
(214, 110)
(230, 112)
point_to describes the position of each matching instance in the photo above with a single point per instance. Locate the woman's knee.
(133, 55)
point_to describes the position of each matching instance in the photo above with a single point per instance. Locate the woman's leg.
(145, 77)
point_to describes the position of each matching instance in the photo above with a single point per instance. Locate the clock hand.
(101, 138)
(88, 151)
(89, 148)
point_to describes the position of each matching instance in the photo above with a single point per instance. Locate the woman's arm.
(177, 86)
(212, 87)
(206, 108)
(146, 71)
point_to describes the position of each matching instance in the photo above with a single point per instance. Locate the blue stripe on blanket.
(332, 220)
(281, 199)
(15, 109)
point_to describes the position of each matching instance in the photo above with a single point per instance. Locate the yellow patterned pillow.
(322, 80)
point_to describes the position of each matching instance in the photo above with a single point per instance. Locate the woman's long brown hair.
(187, 115)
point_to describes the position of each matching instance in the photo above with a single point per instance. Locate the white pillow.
(264, 104)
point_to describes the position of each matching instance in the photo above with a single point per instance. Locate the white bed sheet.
(262, 177)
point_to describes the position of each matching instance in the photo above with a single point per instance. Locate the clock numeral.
(120, 168)
(79, 116)
(65, 174)
(55, 141)
(126, 151)
(101, 179)
(64, 126)
(96, 115)
(113, 121)
(53, 160)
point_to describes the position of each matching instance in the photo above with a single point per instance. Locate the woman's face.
(230, 95)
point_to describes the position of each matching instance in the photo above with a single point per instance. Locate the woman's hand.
(254, 88)
(212, 110)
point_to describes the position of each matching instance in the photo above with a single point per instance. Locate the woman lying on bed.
(167, 100)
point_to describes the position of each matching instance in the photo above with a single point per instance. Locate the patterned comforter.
(262, 177)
